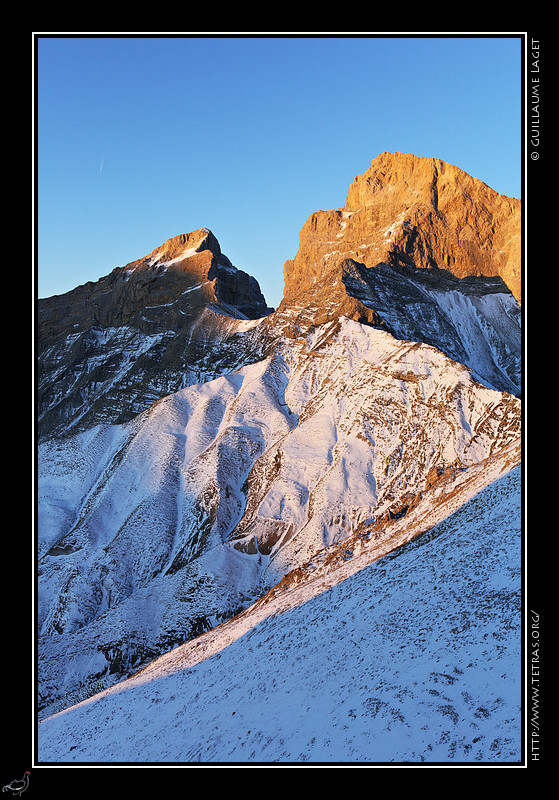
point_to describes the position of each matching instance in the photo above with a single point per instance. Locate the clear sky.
(140, 139)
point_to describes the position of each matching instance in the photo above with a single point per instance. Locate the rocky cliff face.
(163, 291)
(411, 211)
(108, 349)
(423, 251)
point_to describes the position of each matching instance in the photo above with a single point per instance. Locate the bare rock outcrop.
(164, 290)
(109, 348)
(409, 210)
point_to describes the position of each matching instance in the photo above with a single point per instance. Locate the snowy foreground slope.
(413, 658)
(153, 531)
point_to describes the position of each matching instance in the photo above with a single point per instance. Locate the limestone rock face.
(163, 290)
(409, 210)
(110, 348)
(423, 251)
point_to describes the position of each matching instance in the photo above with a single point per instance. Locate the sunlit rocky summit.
(406, 211)
(109, 348)
(203, 456)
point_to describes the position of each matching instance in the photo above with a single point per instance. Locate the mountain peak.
(401, 171)
(184, 274)
(408, 210)
(150, 327)
(187, 244)
(423, 251)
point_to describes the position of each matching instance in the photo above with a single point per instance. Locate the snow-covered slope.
(413, 658)
(152, 531)
(473, 320)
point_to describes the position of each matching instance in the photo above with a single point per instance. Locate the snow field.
(415, 658)
(313, 443)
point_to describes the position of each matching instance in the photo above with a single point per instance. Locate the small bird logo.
(17, 787)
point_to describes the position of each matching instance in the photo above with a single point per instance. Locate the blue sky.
(140, 139)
